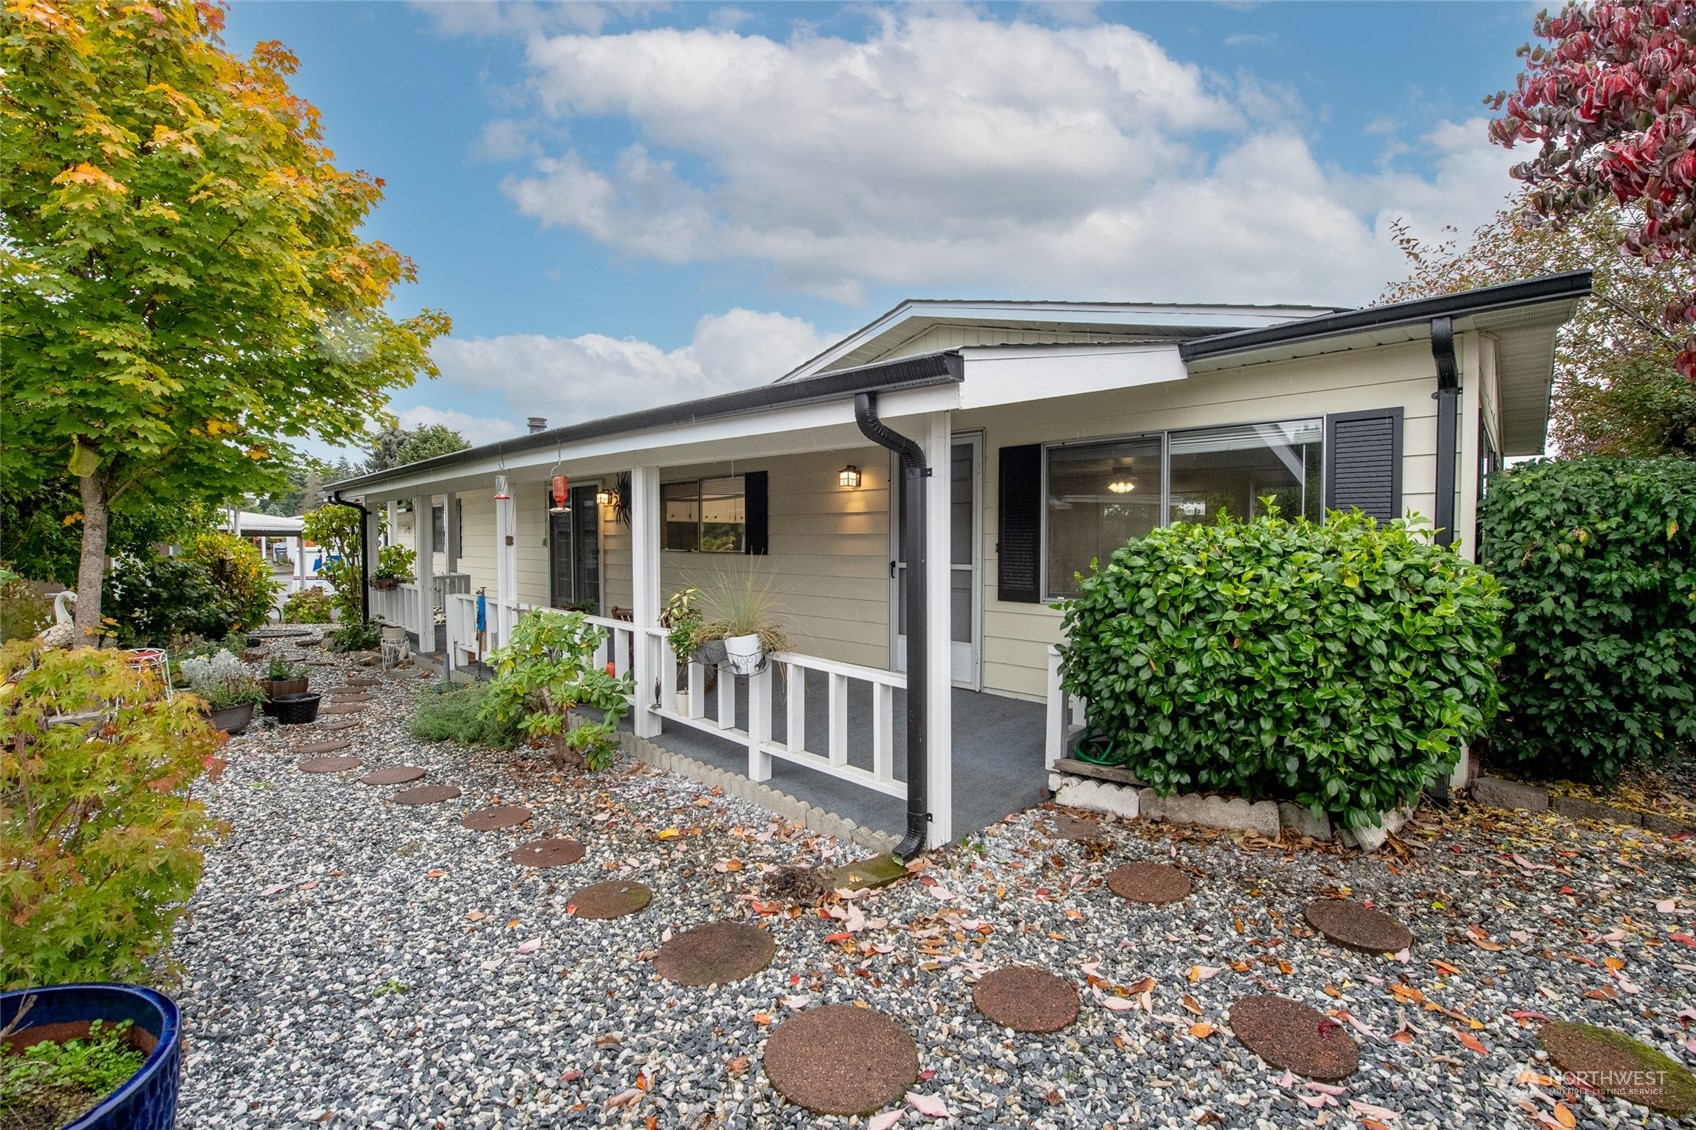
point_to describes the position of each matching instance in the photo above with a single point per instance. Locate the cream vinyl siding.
(1016, 637)
(829, 553)
(477, 547)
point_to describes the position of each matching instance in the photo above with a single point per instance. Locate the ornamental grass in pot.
(229, 692)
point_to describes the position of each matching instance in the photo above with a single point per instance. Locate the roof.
(1104, 321)
(905, 373)
(250, 524)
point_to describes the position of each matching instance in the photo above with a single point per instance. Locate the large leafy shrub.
(456, 714)
(247, 590)
(101, 843)
(152, 598)
(1598, 557)
(1339, 665)
(546, 671)
(308, 606)
(336, 531)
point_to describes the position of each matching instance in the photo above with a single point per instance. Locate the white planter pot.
(683, 703)
(744, 653)
(394, 633)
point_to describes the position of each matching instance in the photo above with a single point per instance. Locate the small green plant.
(547, 671)
(682, 622)
(282, 671)
(389, 988)
(394, 563)
(456, 714)
(101, 843)
(1598, 557)
(1340, 666)
(355, 635)
(52, 1083)
(308, 606)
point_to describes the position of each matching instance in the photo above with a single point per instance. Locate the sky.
(622, 205)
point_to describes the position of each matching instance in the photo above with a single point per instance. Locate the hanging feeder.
(559, 500)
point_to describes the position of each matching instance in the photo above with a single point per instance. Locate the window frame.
(701, 515)
(1164, 435)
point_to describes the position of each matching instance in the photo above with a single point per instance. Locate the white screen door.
(965, 547)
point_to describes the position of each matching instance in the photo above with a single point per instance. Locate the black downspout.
(336, 499)
(1447, 397)
(914, 474)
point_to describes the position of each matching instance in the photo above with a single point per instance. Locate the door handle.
(892, 570)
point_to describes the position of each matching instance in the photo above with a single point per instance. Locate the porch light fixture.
(1121, 487)
(604, 496)
(849, 477)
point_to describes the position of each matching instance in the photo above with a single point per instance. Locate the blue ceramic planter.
(149, 1100)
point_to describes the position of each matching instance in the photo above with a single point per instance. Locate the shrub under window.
(1338, 665)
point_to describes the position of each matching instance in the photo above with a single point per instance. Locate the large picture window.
(1101, 495)
(706, 515)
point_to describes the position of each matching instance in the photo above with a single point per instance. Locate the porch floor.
(998, 755)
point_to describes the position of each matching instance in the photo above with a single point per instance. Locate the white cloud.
(954, 152)
(568, 379)
(477, 430)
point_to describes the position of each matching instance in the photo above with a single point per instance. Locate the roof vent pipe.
(914, 472)
(538, 424)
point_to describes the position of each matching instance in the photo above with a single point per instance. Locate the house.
(922, 491)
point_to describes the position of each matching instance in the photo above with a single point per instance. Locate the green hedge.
(1598, 557)
(1340, 666)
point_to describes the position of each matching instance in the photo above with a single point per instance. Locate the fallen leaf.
(927, 1104)
(1471, 1042)
(1201, 1031)
(1445, 967)
(1117, 1004)
(475, 916)
(885, 1120)
(530, 946)
(1204, 972)
(738, 1065)
(1190, 1006)
(1564, 1116)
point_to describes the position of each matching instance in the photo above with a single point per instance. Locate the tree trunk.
(91, 570)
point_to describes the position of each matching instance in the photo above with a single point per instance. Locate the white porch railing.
(395, 606)
(1065, 713)
(762, 709)
(619, 648)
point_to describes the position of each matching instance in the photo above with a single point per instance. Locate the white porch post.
(506, 559)
(391, 528)
(645, 592)
(450, 532)
(299, 562)
(423, 539)
(938, 445)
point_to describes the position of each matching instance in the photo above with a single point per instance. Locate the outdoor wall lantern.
(604, 496)
(849, 477)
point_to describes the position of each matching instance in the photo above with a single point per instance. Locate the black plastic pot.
(294, 709)
(232, 719)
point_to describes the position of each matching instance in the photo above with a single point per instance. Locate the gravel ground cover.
(350, 962)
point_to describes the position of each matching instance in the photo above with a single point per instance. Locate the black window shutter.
(758, 540)
(1363, 462)
(1019, 555)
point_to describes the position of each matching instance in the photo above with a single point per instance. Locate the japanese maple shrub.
(1598, 557)
(547, 671)
(101, 843)
(1339, 665)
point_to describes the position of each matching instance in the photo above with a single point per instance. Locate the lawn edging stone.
(1495, 792)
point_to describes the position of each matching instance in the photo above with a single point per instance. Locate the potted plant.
(284, 678)
(229, 692)
(92, 1056)
(394, 565)
(744, 618)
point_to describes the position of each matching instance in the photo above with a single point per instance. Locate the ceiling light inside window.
(1121, 487)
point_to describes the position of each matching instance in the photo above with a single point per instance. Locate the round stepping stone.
(393, 775)
(1026, 999)
(1074, 828)
(342, 708)
(330, 764)
(547, 853)
(322, 747)
(609, 900)
(1149, 882)
(841, 1059)
(359, 682)
(344, 724)
(1289, 1035)
(1358, 927)
(715, 954)
(425, 794)
(498, 816)
(1614, 1062)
